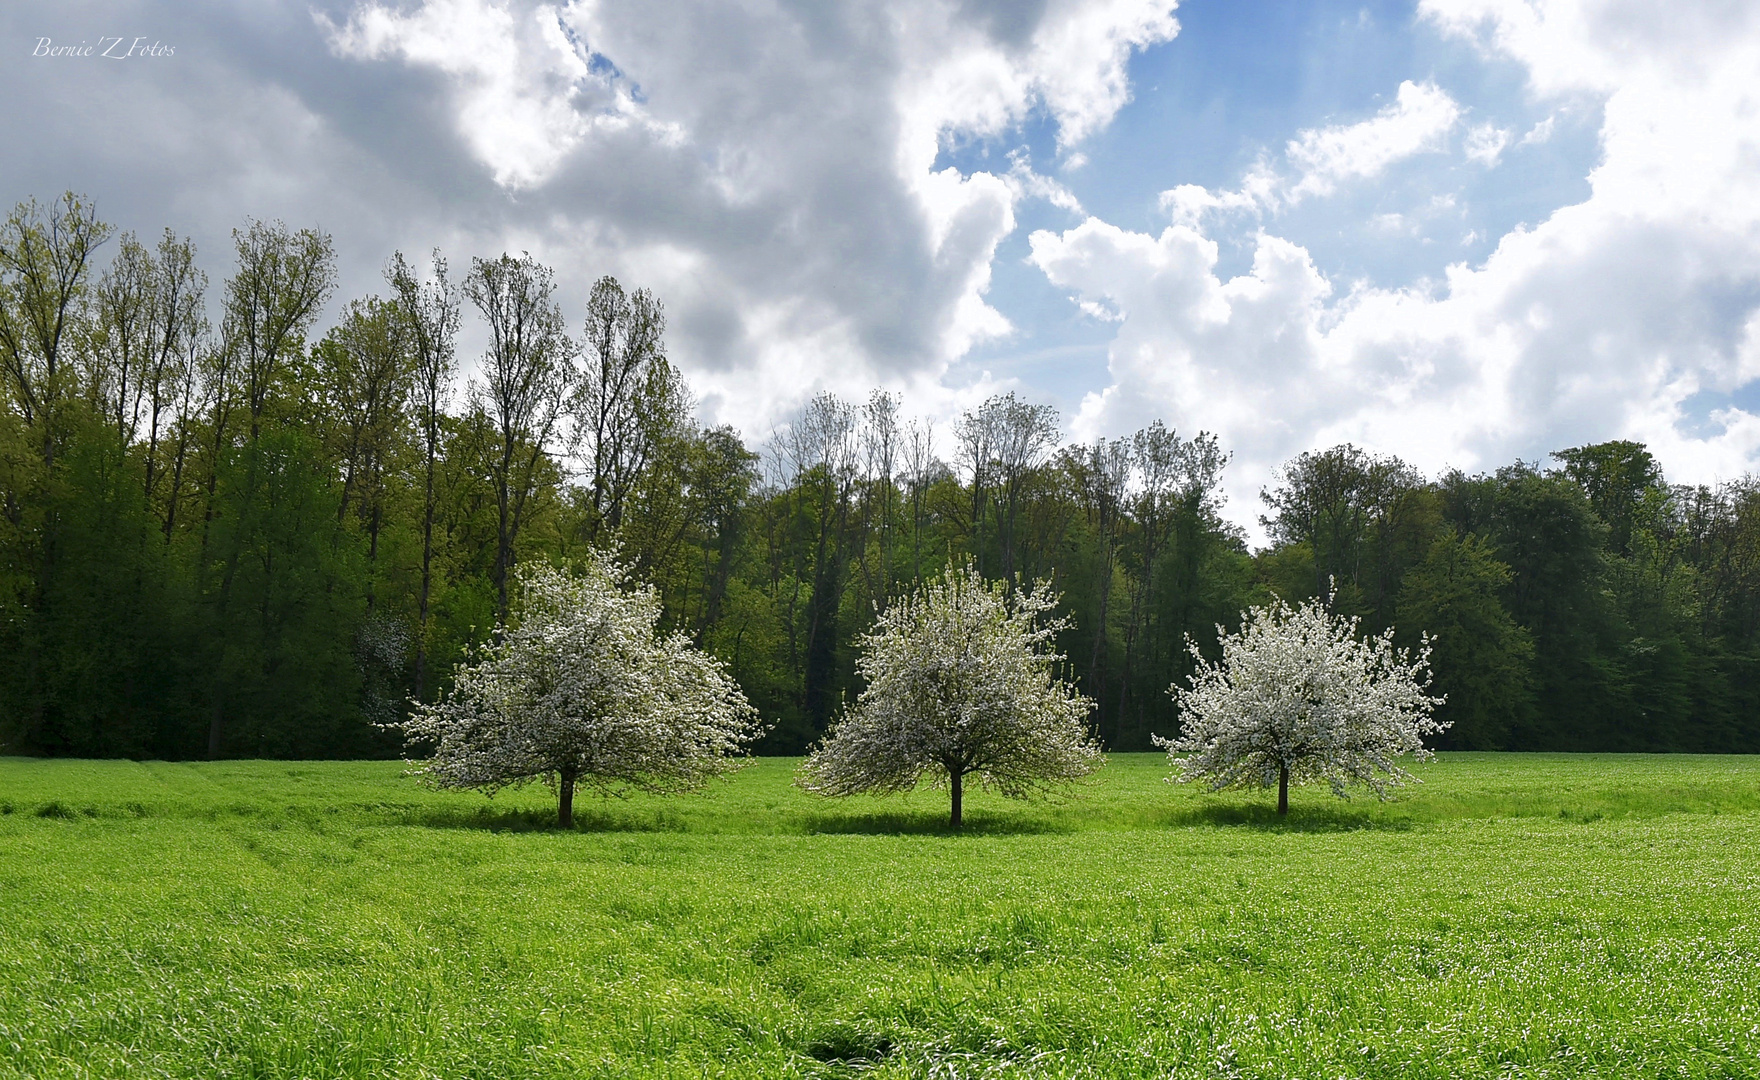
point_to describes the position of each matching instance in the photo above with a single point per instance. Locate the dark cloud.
(765, 168)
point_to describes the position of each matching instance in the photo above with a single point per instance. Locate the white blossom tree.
(581, 690)
(959, 683)
(1298, 696)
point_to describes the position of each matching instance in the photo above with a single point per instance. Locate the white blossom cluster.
(959, 682)
(381, 646)
(582, 689)
(1298, 690)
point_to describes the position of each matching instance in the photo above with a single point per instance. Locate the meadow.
(1514, 916)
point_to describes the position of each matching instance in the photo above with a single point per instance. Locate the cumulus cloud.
(1417, 121)
(769, 169)
(1603, 321)
(524, 97)
(1570, 46)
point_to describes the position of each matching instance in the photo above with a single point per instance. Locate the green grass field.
(1517, 915)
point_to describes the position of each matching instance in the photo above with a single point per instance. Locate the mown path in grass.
(1514, 916)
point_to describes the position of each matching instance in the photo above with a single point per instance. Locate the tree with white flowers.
(581, 690)
(1299, 697)
(960, 684)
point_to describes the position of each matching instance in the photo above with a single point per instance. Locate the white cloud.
(1417, 121)
(1571, 46)
(1600, 322)
(1096, 310)
(1027, 183)
(524, 98)
(1540, 132)
(1079, 55)
(1392, 224)
(1485, 143)
(1261, 189)
(769, 169)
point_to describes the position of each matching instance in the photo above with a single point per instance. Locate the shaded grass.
(1131, 792)
(1515, 916)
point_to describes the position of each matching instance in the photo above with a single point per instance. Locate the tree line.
(227, 530)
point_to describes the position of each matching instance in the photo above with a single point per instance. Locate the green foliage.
(261, 533)
(281, 631)
(1363, 520)
(1515, 915)
(1482, 658)
(1591, 607)
(959, 682)
(1617, 477)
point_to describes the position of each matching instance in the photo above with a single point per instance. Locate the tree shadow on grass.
(1302, 819)
(925, 823)
(496, 819)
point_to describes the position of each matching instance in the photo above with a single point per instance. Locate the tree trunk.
(958, 782)
(503, 560)
(1283, 790)
(421, 687)
(373, 551)
(565, 800)
(215, 721)
(503, 536)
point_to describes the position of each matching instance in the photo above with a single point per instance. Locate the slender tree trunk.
(213, 487)
(503, 560)
(1005, 529)
(1282, 790)
(565, 800)
(216, 720)
(177, 461)
(373, 553)
(977, 522)
(916, 535)
(958, 782)
(152, 456)
(717, 581)
(421, 673)
(828, 566)
(1098, 656)
(503, 523)
(421, 686)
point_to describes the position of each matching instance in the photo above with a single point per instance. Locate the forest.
(227, 530)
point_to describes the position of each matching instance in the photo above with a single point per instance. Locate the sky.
(1457, 231)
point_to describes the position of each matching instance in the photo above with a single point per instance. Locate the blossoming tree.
(959, 683)
(1298, 696)
(580, 690)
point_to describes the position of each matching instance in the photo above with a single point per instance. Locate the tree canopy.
(580, 689)
(241, 515)
(1299, 697)
(959, 682)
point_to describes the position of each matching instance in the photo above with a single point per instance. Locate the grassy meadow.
(1515, 916)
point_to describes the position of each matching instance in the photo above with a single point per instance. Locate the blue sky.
(1239, 81)
(1459, 231)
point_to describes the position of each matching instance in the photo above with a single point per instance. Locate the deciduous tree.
(581, 690)
(45, 262)
(628, 401)
(1483, 659)
(432, 309)
(527, 373)
(960, 683)
(1298, 696)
